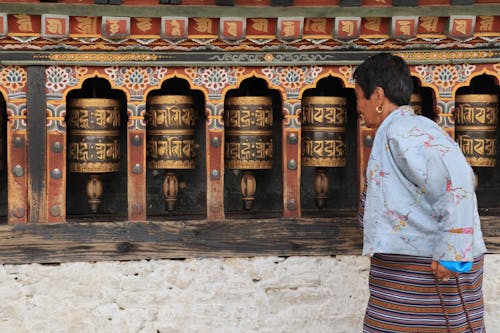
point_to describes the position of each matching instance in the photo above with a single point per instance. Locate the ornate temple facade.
(218, 111)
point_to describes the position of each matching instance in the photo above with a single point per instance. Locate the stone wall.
(263, 294)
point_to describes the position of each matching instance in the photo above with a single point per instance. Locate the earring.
(379, 109)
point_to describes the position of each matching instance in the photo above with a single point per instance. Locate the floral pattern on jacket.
(420, 197)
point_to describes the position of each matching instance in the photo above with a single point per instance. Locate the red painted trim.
(17, 186)
(136, 186)
(215, 186)
(56, 188)
(291, 178)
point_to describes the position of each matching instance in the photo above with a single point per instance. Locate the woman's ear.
(379, 95)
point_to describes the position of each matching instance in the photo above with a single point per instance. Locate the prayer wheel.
(476, 117)
(248, 139)
(323, 139)
(94, 141)
(416, 103)
(171, 145)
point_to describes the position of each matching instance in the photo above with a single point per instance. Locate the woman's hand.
(441, 273)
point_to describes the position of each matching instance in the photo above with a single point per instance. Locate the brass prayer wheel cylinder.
(476, 118)
(94, 141)
(248, 134)
(323, 131)
(416, 103)
(171, 121)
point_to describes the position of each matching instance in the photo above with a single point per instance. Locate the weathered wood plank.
(36, 103)
(176, 239)
(41, 243)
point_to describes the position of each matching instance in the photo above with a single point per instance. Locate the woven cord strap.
(443, 307)
(464, 305)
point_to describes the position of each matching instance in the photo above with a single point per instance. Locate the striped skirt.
(405, 297)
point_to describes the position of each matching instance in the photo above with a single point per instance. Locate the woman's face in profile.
(366, 108)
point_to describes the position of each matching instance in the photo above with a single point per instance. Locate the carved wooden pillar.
(56, 161)
(215, 159)
(136, 166)
(291, 157)
(17, 160)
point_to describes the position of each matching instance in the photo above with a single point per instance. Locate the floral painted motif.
(445, 77)
(292, 79)
(348, 72)
(215, 79)
(136, 79)
(13, 78)
(59, 78)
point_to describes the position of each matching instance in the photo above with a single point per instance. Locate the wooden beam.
(100, 241)
(224, 2)
(282, 3)
(36, 124)
(350, 3)
(247, 58)
(405, 2)
(42, 243)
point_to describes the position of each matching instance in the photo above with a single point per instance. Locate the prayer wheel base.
(170, 190)
(94, 192)
(248, 186)
(320, 187)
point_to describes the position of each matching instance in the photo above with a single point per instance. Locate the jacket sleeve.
(435, 167)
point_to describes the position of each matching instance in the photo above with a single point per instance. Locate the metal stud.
(19, 212)
(137, 169)
(18, 171)
(215, 142)
(18, 142)
(55, 211)
(214, 174)
(56, 173)
(292, 165)
(368, 141)
(57, 147)
(136, 140)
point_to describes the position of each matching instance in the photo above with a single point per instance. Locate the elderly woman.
(421, 224)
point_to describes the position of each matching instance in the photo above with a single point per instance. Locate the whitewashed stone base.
(262, 294)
